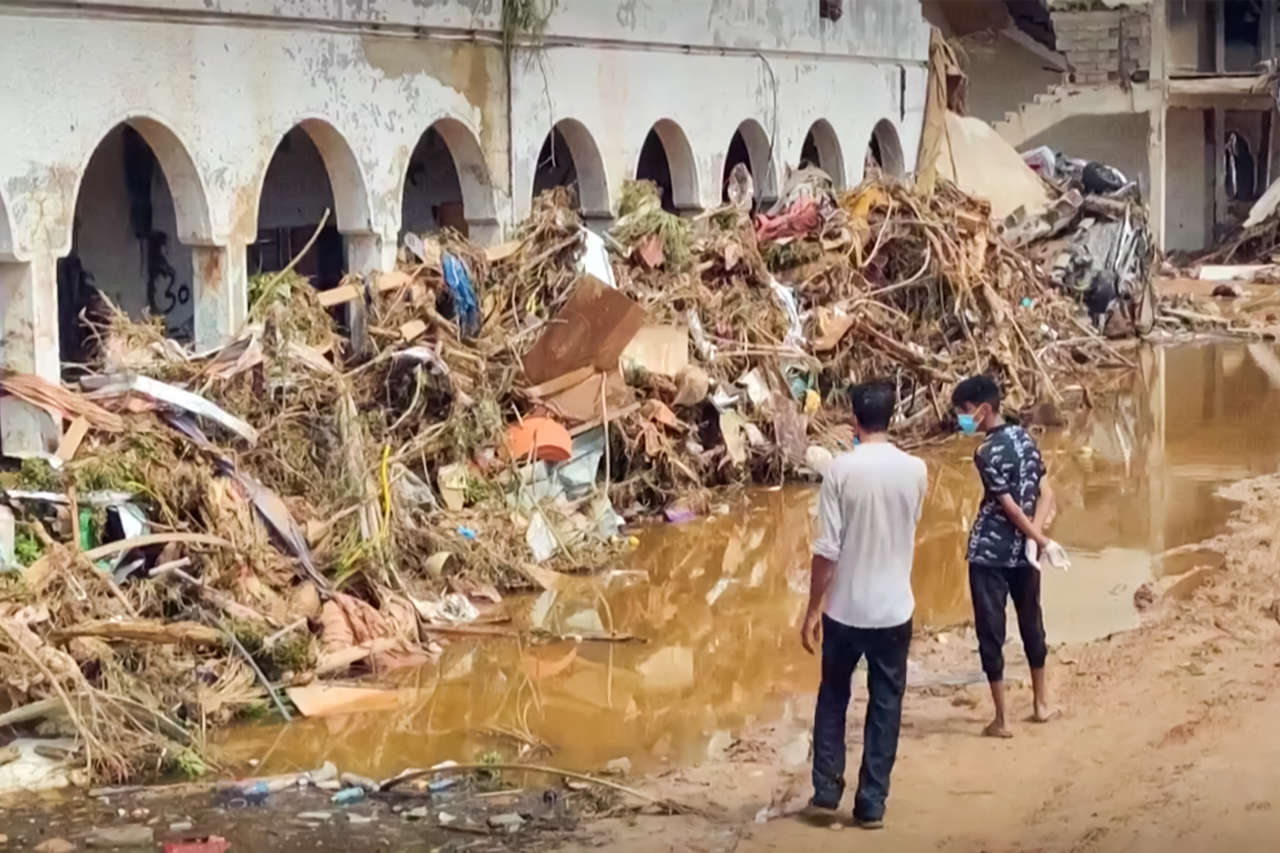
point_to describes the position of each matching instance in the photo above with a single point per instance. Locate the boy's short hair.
(873, 404)
(975, 391)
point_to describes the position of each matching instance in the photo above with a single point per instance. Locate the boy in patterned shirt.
(1007, 536)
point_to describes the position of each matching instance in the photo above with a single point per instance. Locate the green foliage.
(524, 18)
(190, 764)
(38, 475)
(27, 548)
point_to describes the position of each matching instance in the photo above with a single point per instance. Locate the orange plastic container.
(547, 439)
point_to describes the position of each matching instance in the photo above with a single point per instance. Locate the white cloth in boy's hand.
(1054, 554)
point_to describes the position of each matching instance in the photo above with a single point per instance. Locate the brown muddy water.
(719, 598)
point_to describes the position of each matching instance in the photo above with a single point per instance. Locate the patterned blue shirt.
(1009, 463)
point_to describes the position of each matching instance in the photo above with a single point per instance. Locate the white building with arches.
(162, 150)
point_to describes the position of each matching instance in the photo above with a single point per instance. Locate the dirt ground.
(1168, 739)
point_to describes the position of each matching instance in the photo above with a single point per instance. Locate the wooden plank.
(502, 251)
(412, 330)
(392, 281)
(560, 383)
(71, 439)
(592, 328)
(338, 295)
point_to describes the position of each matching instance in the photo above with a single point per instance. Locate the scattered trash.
(208, 844)
(347, 796)
(619, 766)
(55, 845)
(539, 438)
(128, 835)
(464, 296)
(508, 823)
(323, 700)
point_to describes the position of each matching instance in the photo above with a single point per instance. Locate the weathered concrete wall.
(1104, 45)
(1003, 75)
(617, 96)
(370, 98)
(1191, 36)
(1117, 140)
(1189, 207)
(883, 28)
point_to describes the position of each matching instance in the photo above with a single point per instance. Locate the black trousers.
(886, 653)
(991, 587)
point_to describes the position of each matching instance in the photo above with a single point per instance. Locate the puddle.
(720, 597)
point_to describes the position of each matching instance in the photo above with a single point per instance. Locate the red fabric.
(798, 220)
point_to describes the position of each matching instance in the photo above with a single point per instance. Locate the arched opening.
(447, 183)
(884, 152)
(569, 157)
(822, 149)
(666, 158)
(751, 147)
(300, 184)
(139, 207)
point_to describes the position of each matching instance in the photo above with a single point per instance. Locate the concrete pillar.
(221, 292)
(484, 232)
(29, 344)
(369, 252)
(1159, 40)
(366, 253)
(1157, 162)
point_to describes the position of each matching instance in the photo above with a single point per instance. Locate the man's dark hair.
(873, 404)
(975, 391)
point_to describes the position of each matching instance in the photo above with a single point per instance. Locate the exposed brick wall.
(1096, 50)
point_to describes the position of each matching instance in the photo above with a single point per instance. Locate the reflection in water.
(720, 598)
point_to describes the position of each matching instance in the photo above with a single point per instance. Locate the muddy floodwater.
(718, 599)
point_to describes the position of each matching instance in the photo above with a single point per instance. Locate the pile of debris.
(307, 502)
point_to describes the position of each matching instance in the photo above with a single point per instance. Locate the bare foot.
(996, 729)
(1045, 715)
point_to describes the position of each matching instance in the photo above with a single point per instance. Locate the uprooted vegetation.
(306, 503)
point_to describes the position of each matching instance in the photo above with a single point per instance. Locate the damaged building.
(1177, 94)
(164, 152)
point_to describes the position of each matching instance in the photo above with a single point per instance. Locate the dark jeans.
(886, 653)
(991, 587)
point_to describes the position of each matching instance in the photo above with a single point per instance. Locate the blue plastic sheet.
(464, 295)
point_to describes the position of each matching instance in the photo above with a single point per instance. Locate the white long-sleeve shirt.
(868, 507)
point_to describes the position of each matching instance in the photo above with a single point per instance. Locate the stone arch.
(474, 184)
(587, 171)
(138, 208)
(667, 158)
(352, 208)
(190, 201)
(822, 149)
(885, 148)
(751, 139)
(353, 212)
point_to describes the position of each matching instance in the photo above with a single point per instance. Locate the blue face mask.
(968, 424)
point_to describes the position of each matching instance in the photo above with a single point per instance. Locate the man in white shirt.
(868, 508)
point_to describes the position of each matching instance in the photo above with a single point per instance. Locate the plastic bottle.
(347, 796)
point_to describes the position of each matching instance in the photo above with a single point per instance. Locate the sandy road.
(1170, 741)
